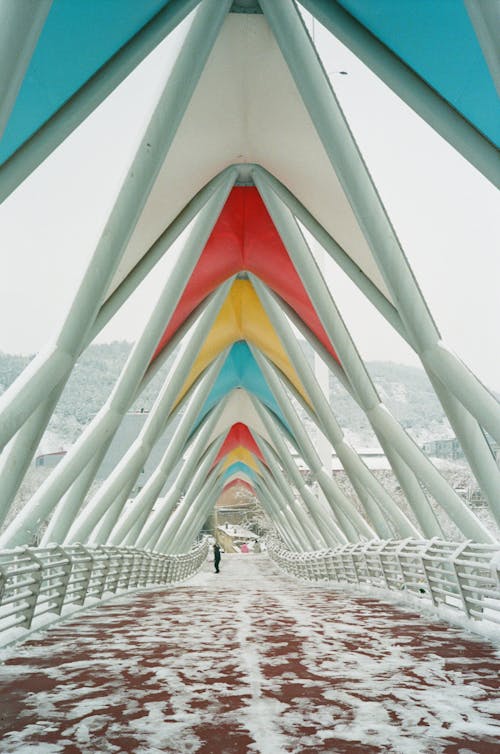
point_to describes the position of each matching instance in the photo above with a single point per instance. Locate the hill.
(86, 391)
(405, 390)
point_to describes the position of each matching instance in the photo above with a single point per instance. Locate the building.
(450, 449)
(374, 458)
(49, 460)
(232, 537)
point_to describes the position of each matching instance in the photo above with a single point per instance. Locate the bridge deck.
(250, 661)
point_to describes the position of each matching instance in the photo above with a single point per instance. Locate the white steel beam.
(55, 362)
(107, 420)
(129, 467)
(359, 378)
(466, 427)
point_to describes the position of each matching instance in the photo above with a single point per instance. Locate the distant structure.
(450, 449)
(374, 458)
(49, 460)
(232, 537)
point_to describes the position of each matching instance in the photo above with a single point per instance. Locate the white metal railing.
(464, 576)
(39, 584)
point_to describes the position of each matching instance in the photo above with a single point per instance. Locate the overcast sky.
(445, 213)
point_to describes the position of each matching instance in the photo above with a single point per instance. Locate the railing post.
(460, 549)
(423, 556)
(35, 588)
(114, 570)
(66, 575)
(104, 569)
(88, 567)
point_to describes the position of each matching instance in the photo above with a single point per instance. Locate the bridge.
(357, 629)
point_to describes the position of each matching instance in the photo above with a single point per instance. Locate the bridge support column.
(127, 470)
(323, 512)
(334, 495)
(319, 536)
(308, 520)
(467, 429)
(167, 536)
(146, 498)
(156, 522)
(293, 537)
(276, 484)
(195, 518)
(336, 499)
(188, 511)
(360, 381)
(361, 478)
(102, 535)
(107, 420)
(71, 502)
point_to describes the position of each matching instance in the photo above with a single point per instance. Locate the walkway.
(250, 661)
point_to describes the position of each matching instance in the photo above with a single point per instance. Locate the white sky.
(445, 213)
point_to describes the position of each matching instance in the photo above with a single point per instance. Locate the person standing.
(216, 557)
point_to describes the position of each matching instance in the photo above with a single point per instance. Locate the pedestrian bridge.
(251, 660)
(238, 181)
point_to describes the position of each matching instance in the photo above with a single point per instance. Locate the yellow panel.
(241, 454)
(224, 332)
(242, 317)
(259, 331)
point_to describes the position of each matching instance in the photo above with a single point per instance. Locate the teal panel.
(241, 370)
(79, 36)
(241, 467)
(436, 38)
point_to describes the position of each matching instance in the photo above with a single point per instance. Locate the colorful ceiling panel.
(438, 41)
(77, 39)
(239, 436)
(242, 455)
(242, 317)
(240, 370)
(239, 468)
(239, 483)
(245, 239)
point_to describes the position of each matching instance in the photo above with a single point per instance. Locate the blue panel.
(241, 467)
(79, 36)
(241, 370)
(436, 39)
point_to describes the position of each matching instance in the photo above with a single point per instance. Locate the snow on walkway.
(250, 661)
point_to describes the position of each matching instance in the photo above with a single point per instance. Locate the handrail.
(39, 584)
(462, 576)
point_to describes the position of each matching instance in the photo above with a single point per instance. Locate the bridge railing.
(39, 584)
(463, 576)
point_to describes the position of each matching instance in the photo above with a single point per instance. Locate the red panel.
(265, 255)
(239, 483)
(245, 238)
(239, 434)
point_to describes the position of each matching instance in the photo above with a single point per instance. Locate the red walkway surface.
(250, 661)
